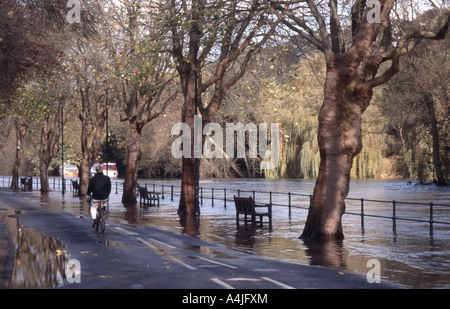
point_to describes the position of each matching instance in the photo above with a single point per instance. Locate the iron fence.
(425, 212)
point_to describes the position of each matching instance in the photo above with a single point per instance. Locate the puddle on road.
(112, 243)
(39, 261)
(210, 251)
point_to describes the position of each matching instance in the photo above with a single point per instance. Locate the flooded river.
(410, 253)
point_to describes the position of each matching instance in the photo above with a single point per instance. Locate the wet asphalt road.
(126, 257)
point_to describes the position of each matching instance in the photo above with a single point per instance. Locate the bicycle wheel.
(102, 219)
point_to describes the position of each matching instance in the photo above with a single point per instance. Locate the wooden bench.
(147, 198)
(75, 187)
(247, 207)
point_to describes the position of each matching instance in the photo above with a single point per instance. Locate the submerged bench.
(148, 198)
(246, 206)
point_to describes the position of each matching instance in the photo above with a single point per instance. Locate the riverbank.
(409, 255)
(130, 257)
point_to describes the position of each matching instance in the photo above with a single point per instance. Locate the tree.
(212, 43)
(26, 48)
(24, 111)
(86, 63)
(422, 86)
(143, 75)
(355, 64)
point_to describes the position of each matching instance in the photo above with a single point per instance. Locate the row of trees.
(138, 56)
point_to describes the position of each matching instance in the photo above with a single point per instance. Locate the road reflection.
(39, 261)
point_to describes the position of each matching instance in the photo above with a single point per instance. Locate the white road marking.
(182, 263)
(280, 284)
(162, 243)
(244, 279)
(146, 243)
(125, 231)
(215, 262)
(220, 282)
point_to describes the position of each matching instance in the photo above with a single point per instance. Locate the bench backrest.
(142, 190)
(75, 184)
(244, 205)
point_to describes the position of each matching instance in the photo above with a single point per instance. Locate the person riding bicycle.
(100, 188)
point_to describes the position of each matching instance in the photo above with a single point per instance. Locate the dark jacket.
(99, 186)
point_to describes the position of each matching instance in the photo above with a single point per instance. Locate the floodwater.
(39, 261)
(410, 253)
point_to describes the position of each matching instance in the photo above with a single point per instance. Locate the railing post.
(362, 212)
(201, 195)
(289, 205)
(171, 192)
(270, 197)
(162, 191)
(225, 197)
(431, 218)
(394, 216)
(212, 196)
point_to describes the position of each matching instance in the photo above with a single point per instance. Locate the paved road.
(139, 257)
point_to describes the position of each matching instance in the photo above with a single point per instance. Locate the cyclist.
(100, 188)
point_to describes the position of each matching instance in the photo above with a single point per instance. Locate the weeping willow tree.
(296, 109)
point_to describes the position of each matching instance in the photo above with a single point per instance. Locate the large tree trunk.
(43, 170)
(49, 147)
(133, 163)
(339, 138)
(84, 173)
(44, 157)
(190, 166)
(20, 135)
(90, 147)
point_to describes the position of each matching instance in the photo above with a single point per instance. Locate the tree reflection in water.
(39, 261)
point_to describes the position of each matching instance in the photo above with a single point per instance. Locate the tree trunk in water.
(133, 163)
(188, 204)
(429, 103)
(339, 138)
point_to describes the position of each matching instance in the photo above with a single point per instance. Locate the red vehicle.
(109, 169)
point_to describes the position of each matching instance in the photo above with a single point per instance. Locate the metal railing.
(291, 200)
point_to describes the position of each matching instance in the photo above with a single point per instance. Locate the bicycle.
(101, 214)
